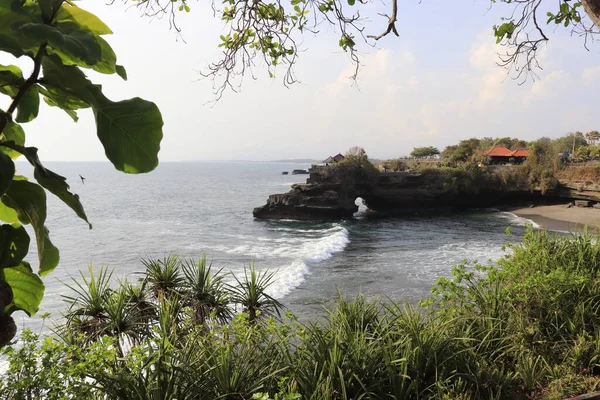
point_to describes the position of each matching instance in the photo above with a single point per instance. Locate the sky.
(434, 85)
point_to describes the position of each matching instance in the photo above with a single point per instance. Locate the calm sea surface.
(199, 208)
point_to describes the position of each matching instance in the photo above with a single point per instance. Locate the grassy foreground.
(528, 327)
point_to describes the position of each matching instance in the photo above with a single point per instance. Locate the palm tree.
(251, 294)
(204, 293)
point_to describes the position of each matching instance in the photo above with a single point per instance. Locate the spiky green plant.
(251, 293)
(87, 312)
(205, 293)
(164, 276)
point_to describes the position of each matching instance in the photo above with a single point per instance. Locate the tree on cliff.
(465, 151)
(423, 152)
(356, 166)
(272, 30)
(592, 137)
(570, 142)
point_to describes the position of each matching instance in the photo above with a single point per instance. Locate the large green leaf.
(47, 8)
(130, 131)
(57, 185)
(66, 77)
(29, 200)
(7, 171)
(108, 62)
(78, 47)
(52, 181)
(70, 17)
(29, 106)
(28, 288)
(8, 214)
(14, 245)
(59, 83)
(12, 132)
(9, 22)
(14, 14)
(11, 78)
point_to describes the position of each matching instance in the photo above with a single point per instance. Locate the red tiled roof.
(498, 151)
(520, 153)
(501, 151)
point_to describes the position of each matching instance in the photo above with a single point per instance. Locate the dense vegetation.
(60, 39)
(527, 327)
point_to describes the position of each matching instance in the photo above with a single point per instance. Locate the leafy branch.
(61, 39)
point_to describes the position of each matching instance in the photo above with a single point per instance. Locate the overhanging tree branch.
(391, 22)
(32, 80)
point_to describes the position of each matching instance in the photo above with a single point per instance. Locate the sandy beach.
(561, 218)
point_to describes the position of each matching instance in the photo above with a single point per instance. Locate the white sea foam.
(288, 278)
(297, 255)
(313, 251)
(516, 220)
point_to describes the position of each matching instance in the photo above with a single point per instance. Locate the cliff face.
(309, 202)
(322, 199)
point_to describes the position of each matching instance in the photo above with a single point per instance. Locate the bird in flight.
(82, 179)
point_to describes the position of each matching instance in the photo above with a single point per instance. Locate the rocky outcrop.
(322, 198)
(309, 202)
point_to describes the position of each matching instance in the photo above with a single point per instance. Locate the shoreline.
(560, 217)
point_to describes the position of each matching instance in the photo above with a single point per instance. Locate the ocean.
(196, 208)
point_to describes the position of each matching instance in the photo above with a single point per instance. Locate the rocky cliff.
(322, 198)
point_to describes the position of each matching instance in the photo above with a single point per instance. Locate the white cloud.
(591, 75)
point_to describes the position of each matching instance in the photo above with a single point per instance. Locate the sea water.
(197, 208)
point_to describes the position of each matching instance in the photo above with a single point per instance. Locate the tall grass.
(528, 327)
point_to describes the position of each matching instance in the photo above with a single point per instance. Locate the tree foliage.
(424, 152)
(592, 137)
(61, 39)
(569, 142)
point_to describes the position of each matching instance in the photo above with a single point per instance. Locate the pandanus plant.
(204, 293)
(251, 294)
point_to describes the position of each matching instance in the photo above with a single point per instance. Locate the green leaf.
(8, 214)
(121, 71)
(28, 288)
(108, 61)
(130, 131)
(47, 8)
(65, 77)
(53, 182)
(29, 106)
(55, 97)
(29, 200)
(7, 171)
(71, 16)
(58, 186)
(11, 78)
(351, 2)
(14, 245)
(60, 82)
(12, 132)
(78, 47)
(11, 19)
